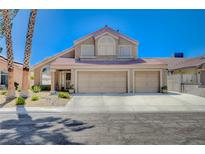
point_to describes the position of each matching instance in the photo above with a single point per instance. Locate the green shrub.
(45, 87)
(164, 87)
(35, 98)
(36, 89)
(64, 95)
(3, 92)
(20, 101)
(31, 77)
(16, 85)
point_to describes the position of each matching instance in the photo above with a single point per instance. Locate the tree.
(12, 14)
(27, 53)
(9, 47)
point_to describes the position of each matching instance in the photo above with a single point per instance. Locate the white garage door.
(147, 81)
(102, 82)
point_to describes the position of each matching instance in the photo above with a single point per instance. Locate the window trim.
(87, 56)
(107, 54)
(121, 56)
(5, 74)
(42, 74)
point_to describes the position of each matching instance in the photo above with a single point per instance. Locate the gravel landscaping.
(45, 100)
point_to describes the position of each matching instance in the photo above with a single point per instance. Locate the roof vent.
(179, 55)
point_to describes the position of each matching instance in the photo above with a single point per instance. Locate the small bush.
(45, 87)
(36, 89)
(63, 95)
(3, 92)
(20, 101)
(35, 98)
(16, 85)
(31, 77)
(164, 88)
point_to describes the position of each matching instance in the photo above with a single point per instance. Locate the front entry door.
(67, 80)
(65, 77)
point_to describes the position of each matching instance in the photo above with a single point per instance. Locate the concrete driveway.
(154, 102)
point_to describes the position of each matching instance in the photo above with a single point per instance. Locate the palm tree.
(7, 33)
(12, 14)
(27, 53)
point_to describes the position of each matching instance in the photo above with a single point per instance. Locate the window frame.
(103, 53)
(82, 51)
(3, 77)
(125, 56)
(47, 66)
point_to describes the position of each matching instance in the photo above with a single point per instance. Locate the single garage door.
(102, 82)
(147, 81)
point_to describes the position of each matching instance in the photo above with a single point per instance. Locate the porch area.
(61, 80)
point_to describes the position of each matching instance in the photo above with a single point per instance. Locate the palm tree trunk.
(7, 33)
(27, 54)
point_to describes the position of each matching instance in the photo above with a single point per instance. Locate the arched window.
(46, 76)
(106, 46)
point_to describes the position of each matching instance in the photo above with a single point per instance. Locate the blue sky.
(159, 32)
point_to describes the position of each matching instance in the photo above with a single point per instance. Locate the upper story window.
(106, 46)
(46, 76)
(125, 51)
(87, 50)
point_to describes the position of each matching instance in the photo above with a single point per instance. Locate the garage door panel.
(147, 81)
(102, 82)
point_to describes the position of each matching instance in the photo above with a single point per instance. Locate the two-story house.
(104, 61)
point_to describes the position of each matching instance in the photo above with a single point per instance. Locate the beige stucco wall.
(37, 73)
(93, 41)
(78, 46)
(18, 70)
(202, 75)
(164, 77)
(69, 55)
(194, 89)
(179, 76)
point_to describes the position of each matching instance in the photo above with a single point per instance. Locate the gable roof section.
(69, 62)
(190, 63)
(49, 59)
(171, 62)
(103, 30)
(183, 63)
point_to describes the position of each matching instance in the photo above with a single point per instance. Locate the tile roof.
(172, 62)
(105, 29)
(180, 63)
(190, 62)
(71, 61)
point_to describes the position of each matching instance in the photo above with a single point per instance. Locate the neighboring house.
(104, 61)
(18, 67)
(187, 75)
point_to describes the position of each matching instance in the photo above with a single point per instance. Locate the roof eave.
(47, 60)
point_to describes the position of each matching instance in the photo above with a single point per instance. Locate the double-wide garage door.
(102, 82)
(147, 81)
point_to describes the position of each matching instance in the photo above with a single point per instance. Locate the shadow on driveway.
(47, 130)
